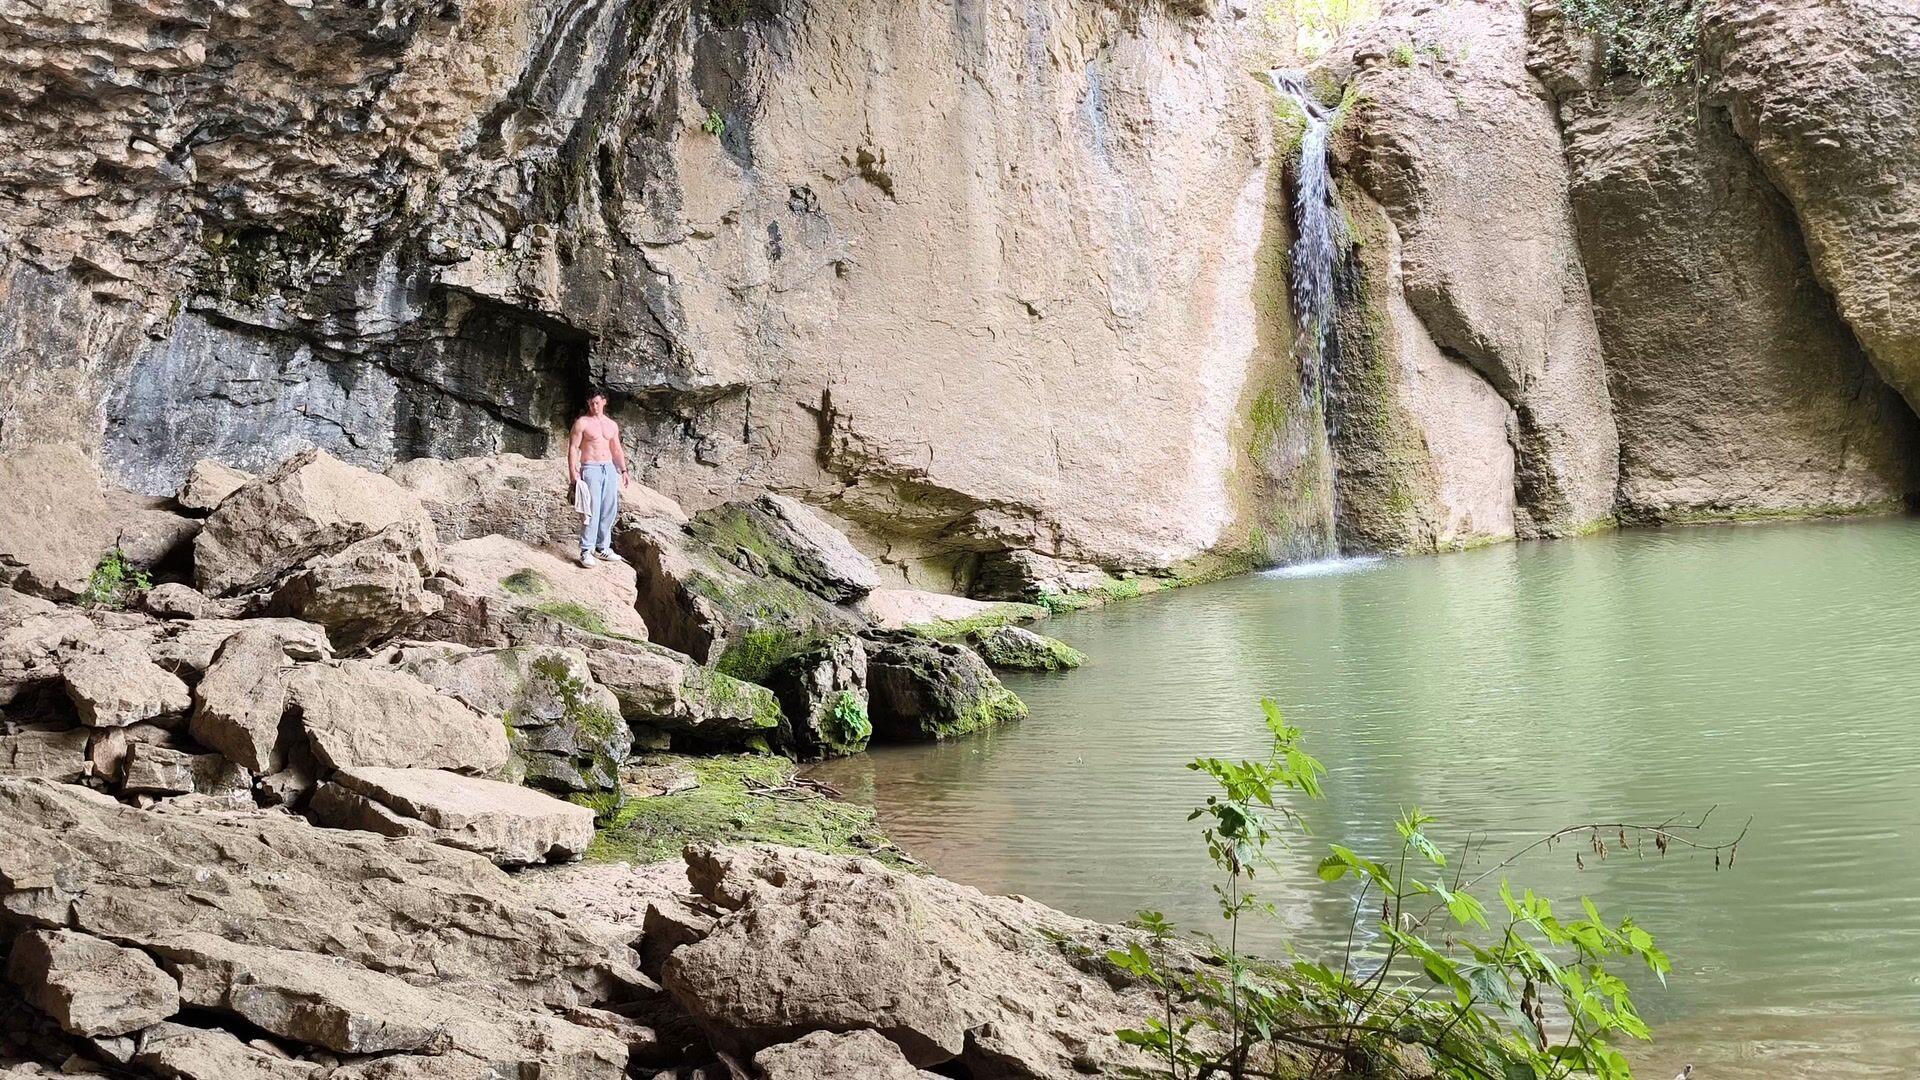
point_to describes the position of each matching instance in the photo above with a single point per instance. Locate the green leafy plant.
(116, 582)
(848, 720)
(1403, 54)
(1319, 22)
(1655, 41)
(1527, 993)
(715, 124)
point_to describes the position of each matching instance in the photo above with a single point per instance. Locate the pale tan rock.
(944, 972)
(208, 484)
(194, 1053)
(826, 1055)
(53, 522)
(45, 755)
(239, 702)
(173, 600)
(114, 689)
(568, 731)
(369, 590)
(157, 770)
(34, 634)
(778, 535)
(497, 590)
(516, 497)
(901, 609)
(308, 505)
(89, 986)
(356, 714)
(192, 645)
(509, 824)
(148, 530)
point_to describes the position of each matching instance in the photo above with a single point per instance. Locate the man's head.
(597, 403)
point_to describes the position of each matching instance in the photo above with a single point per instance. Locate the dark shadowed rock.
(919, 688)
(823, 698)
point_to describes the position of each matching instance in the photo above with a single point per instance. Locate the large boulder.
(696, 601)
(826, 1055)
(668, 692)
(919, 688)
(121, 687)
(89, 986)
(774, 534)
(149, 531)
(499, 591)
(509, 824)
(184, 1052)
(310, 504)
(240, 700)
(208, 484)
(54, 520)
(1016, 648)
(516, 497)
(340, 932)
(369, 590)
(359, 714)
(34, 635)
(568, 732)
(158, 771)
(190, 646)
(823, 698)
(818, 943)
(1767, 406)
(942, 613)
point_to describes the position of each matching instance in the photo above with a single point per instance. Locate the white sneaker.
(586, 559)
(611, 556)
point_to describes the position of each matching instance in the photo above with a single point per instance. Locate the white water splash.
(1325, 567)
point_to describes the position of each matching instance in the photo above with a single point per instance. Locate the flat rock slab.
(828, 1055)
(44, 755)
(192, 1053)
(358, 714)
(509, 824)
(89, 986)
(240, 700)
(53, 520)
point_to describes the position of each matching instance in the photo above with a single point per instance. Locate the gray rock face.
(823, 698)
(778, 535)
(568, 732)
(1770, 404)
(919, 689)
(53, 522)
(357, 715)
(91, 987)
(308, 505)
(122, 687)
(509, 824)
(1015, 648)
(369, 590)
(239, 702)
(825, 1055)
(942, 971)
(157, 770)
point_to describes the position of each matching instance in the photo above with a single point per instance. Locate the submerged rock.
(1019, 649)
(919, 688)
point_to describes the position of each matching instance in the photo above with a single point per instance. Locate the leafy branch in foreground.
(1440, 984)
(1655, 41)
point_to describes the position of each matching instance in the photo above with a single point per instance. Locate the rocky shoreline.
(269, 749)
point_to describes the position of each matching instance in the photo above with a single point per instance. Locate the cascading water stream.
(1319, 238)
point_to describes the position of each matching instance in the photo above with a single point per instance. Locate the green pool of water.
(1770, 672)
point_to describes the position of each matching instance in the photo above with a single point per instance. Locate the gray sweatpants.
(603, 491)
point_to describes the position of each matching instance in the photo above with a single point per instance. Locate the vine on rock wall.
(1655, 41)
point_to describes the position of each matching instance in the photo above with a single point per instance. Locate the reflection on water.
(1772, 672)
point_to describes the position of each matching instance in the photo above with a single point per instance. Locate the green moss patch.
(742, 799)
(1007, 614)
(524, 582)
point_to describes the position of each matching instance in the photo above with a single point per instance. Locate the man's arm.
(619, 452)
(573, 452)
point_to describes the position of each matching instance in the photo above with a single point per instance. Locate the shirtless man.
(595, 456)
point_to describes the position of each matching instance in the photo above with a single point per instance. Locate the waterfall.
(1306, 464)
(1318, 228)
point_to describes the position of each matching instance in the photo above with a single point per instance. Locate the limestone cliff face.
(1473, 285)
(1737, 384)
(976, 276)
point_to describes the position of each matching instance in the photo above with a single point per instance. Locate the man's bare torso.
(597, 437)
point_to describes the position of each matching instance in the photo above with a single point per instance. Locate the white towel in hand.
(582, 499)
